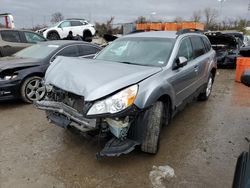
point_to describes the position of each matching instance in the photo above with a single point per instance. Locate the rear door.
(76, 27)
(11, 42)
(184, 78)
(201, 59)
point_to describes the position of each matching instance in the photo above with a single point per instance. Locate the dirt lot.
(201, 145)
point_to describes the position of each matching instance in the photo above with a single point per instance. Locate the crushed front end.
(66, 109)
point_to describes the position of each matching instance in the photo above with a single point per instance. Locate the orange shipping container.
(142, 26)
(156, 26)
(171, 26)
(242, 64)
(192, 25)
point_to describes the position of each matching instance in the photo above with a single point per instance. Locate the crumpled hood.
(94, 79)
(16, 62)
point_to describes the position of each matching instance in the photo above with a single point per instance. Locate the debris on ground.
(158, 174)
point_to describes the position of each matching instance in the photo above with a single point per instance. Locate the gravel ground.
(198, 149)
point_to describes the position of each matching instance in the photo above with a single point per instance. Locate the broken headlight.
(115, 103)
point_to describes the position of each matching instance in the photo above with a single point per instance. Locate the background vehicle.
(226, 46)
(7, 20)
(242, 171)
(132, 88)
(21, 74)
(78, 26)
(12, 41)
(245, 77)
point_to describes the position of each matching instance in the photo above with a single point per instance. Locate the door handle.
(7, 46)
(196, 68)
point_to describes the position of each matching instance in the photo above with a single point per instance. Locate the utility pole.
(220, 12)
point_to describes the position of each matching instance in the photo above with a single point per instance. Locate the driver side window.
(65, 24)
(186, 49)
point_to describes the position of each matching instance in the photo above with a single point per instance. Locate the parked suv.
(78, 27)
(12, 41)
(131, 89)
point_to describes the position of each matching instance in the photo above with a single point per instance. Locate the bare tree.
(56, 17)
(196, 16)
(210, 18)
(141, 19)
(178, 19)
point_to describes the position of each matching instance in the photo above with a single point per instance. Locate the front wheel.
(207, 92)
(53, 36)
(153, 124)
(32, 89)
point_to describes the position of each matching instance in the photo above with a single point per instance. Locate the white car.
(61, 29)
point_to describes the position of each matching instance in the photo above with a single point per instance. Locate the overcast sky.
(33, 12)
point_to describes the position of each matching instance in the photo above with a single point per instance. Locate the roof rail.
(75, 19)
(183, 31)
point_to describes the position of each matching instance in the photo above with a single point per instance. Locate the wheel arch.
(87, 31)
(213, 72)
(40, 74)
(52, 31)
(152, 93)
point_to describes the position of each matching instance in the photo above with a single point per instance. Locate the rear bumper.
(9, 90)
(228, 61)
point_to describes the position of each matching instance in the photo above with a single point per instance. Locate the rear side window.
(87, 50)
(70, 51)
(206, 43)
(76, 23)
(185, 49)
(198, 46)
(10, 36)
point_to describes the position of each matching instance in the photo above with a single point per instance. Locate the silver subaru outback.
(131, 88)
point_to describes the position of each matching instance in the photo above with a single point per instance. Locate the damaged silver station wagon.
(131, 89)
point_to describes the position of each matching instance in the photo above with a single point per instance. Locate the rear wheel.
(154, 121)
(32, 89)
(53, 36)
(207, 92)
(87, 36)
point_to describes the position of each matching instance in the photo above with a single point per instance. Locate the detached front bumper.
(66, 112)
(120, 143)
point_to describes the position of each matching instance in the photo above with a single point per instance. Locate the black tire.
(204, 95)
(87, 36)
(154, 116)
(53, 36)
(26, 90)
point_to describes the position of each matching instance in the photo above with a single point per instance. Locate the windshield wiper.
(130, 63)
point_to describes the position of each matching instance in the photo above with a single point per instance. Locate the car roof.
(154, 34)
(8, 29)
(66, 42)
(161, 34)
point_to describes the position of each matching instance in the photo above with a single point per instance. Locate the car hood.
(222, 39)
(95, 79)
(17, 62)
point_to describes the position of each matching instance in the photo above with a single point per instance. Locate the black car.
(227, 48)
(12, 41)
(21, 74)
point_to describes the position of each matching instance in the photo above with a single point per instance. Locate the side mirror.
(181, 62)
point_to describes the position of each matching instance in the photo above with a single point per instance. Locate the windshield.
(139, 51)
(37, 51)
